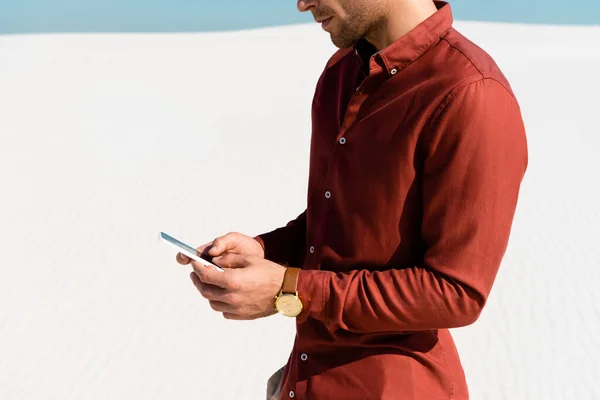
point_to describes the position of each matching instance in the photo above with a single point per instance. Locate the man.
(418, 152)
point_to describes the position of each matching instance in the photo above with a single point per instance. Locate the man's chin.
(341, 43)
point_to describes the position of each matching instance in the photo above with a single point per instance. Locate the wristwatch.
(287, 302)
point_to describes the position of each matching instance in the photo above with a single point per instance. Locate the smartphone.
(188, 250)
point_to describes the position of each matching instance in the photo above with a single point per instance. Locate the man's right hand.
(231, 243)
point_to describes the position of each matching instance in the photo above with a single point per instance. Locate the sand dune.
(107, 139)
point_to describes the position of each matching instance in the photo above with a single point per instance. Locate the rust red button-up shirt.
(417, 158)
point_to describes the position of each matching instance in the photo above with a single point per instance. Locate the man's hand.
(232, 242)
(245, 291)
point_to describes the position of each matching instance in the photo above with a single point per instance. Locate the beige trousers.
(274, 384)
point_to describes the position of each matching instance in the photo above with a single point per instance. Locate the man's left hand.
(245, 291)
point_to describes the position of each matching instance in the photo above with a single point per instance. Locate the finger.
(204, 248)
(223, 244)
(209, 292)
(235, 317)
(182, 259)
(210, 275)
(231, 260)
(222, 307)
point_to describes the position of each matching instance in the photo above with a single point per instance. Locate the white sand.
(107, 139)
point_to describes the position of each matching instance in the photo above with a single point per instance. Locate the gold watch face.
(288, 305)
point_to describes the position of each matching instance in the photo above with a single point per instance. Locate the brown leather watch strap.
(290, 280)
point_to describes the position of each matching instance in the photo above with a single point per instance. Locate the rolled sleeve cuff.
(282, 246)
(275, 248)
(313, 290)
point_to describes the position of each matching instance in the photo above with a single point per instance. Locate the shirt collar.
(409, 47)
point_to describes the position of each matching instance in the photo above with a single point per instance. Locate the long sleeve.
(473, 167)
(286, 245)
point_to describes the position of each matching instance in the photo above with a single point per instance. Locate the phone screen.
(185, 247)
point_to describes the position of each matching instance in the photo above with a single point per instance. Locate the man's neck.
(404, 16)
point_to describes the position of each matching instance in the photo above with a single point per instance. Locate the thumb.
(215, 249)
(221, 245)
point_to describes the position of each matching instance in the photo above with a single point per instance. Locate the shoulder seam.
(464, 55)
(483, 76)
(458, 88)
(451, 93)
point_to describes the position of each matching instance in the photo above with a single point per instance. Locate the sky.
(44, 16)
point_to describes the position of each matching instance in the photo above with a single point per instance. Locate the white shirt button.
(292, 394)
(343, 140)
(312, 249)
(304, 357)
(394, 71)
(328, 194)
